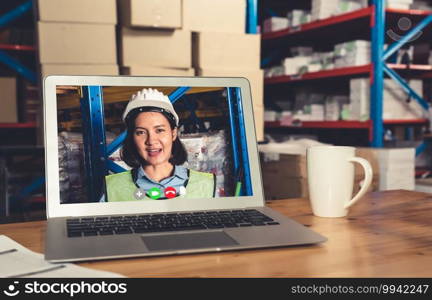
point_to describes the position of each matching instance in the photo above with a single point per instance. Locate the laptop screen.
(151, 143)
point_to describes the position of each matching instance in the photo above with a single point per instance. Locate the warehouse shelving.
(344, 124)
(349, 20)
(10, 56)
(374, 17)
(91, 101)
(420, 71)
(5, 58)
(366, 125)
(17, 47)
(18, 125)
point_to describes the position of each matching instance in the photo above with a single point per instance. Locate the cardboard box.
(259, 122)
(358, 181)
(275, 188)
(255, 77)
(394, 168)
(8, 111)
(215, 16)
(284, 176)
(74, 43)
(157, 48)
(395, 105)
(140, 70)
(275, 24)
(69, 69)
(371, 155)
(80, 11)
(216, 50)
(150, 13)
(286, 165)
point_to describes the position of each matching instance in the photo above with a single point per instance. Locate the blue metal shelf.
(377, 14)
(5, 58)
(380, 67)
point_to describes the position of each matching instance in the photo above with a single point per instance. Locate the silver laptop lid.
(91, 171)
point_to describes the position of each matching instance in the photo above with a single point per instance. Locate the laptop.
(102, 206)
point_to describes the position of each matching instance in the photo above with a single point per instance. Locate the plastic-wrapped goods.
(297, 17)
(71, 160)
(209, 152)
(71, 166)
(301, 51)
(274, 71)
(293, 65)
(400, 4)
(271, 115)
(322, 9)
(328, 59)
(421, 5)
(275, 23)
(332, 109)
(346, 6)
(359, 98)
(63, 171)
(352, 53)
(397, 104)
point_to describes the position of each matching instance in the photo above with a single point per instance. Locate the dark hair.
(129, 152)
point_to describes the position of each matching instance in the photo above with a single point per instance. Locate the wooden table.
(387, 234)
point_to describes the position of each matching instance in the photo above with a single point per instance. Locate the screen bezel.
(56, 209)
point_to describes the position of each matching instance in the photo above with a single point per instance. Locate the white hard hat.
(150, 98)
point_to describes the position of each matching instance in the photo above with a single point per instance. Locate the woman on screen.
(155, 153)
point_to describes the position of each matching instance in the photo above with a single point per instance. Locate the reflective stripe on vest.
(120, 187)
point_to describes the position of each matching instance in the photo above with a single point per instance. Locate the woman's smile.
(154, 152)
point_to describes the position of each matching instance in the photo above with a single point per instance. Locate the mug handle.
(367, 180)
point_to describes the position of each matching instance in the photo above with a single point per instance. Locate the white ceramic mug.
(330, 171)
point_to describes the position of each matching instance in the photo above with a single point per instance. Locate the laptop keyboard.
(129, 224)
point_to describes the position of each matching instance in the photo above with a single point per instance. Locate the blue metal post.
(232, 121)
(376, 105)
(421, 148)
(243, 144)
(115, 168)
(95, 159)
(252, 16)
(15, 13)
(395, 76)
(178, 93)
(17, 66)
(34, 185)
(111, 148)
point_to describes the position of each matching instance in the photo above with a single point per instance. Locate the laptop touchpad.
(188, 241)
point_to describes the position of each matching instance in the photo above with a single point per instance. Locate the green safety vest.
(121, 187)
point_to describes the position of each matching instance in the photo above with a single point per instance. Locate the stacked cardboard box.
(397, 169)
(29, 103)
(352, 53)
(285, 175)
(322, 9)
(152, 39)
(395, 166)
(77, 37)
(370, 155)
(275, 24)
(8, 100)
(397, 105)
(220, 46)
(401, 4)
